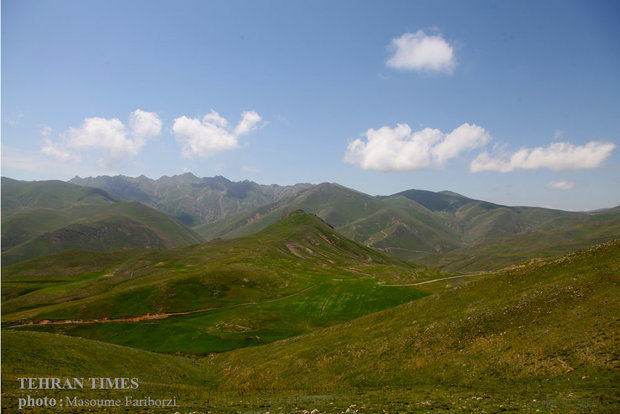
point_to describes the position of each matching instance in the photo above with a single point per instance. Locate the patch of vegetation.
(39, 218)
(294, 277)
(551, 326)
(247, 324)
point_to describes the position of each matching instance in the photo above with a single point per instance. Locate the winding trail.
(165, 315)
(154, 316)
(440, 279)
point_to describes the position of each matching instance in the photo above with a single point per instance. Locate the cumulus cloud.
(58, 151)
(560, 185)
(401, 149)
(109, 135)
(461, 139)
(558, 156)
(206, 137)
(422, 52)
(144, 124)
(248, 123)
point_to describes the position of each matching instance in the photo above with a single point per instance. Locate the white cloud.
(461, 139)
(560, 185)
(418, 51)
(144, 124)
(216, 119)
(103, 133)
(558, 156)
(248, 123)
(400, 149)
(57, 151)
(109, 135)
(202, 138)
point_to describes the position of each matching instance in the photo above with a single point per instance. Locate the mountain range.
(442, 229)
(298, 317)
(190, 199)
(318, 301)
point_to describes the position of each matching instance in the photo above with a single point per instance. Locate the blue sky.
(514, 102)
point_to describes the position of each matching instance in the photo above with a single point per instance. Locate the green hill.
(358, 216)
(40, 218)
(441, 229)
(333, 203)
(35, 354)
(293, 277)
(548, 330)
(19, 195)
(538, 338)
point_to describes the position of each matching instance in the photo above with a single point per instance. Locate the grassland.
(292, 278)
(536, 323)
(246, 324)
(539, 338)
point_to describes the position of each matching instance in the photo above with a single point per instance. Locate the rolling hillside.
(293, 277)
(539, 338)
(43, 217)
(551, 326)
(440, 229)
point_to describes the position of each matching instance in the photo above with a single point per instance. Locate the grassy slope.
(34, 354)
(333, 203)
(17, 195)
(543, 324)
(295, 276)
(541, 338)
(43, 217)
(589, 229)
(65, 356)
(358, 216)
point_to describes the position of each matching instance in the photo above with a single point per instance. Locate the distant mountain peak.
(191, 199)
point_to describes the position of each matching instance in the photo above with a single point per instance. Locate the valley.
(441, 229)
(310, 207)
(303, 304)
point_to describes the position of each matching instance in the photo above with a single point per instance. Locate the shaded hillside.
(437, 228)
(293, 277)
(583, 231)
(441, 201)
(333, 203)
(43, 217)
(358, 216)
(20, 195)
(190, 199)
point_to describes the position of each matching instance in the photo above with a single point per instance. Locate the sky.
(513, 102)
